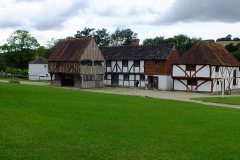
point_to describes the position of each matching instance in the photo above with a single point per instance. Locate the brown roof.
(69, 50)
(208, 53)
(39, 60)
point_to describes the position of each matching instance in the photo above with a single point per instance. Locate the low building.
(205, 68)
(78, 63)
(146, 65)
(38, 69)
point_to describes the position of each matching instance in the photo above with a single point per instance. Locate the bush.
(16, 71)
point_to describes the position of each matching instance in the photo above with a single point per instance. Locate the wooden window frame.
(142, 77)
(126, 77)
(136, 63)
(108, 63)
(157, 62)
(125, 63)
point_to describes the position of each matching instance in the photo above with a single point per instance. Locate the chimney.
(135, 42)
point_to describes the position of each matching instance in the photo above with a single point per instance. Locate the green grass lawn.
(225, 100)
(39, 123)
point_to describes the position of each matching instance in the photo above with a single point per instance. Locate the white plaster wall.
(142, 66)
(38, 72)
(113, 64)
(165, 82)
(120, 76)
(142, 83)
(206, 87)
(131, 83)
(137, 69)
(131, 77)
(109, 69)
(130, 63)
(204, 72)
(179, 86)
(125, 69)
(177, 72)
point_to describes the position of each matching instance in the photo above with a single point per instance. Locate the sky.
(46, 19)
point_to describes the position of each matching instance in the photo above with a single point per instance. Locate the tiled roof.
(39, 60)
(208, 53)
(69, 50)
(137, 52)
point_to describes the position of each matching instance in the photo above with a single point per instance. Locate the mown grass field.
(225, 100)
(50, 123)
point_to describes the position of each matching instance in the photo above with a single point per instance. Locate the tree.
(123, 37)
(86, 32)
(154, 41)
(182, 42)
(20, 49)
(227, 38)
(102, 37)
(236, 39)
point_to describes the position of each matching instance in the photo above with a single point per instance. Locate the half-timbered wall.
(205, 78)
(118, 67)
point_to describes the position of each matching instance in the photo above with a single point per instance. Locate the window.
(192, 82)
(97, 63)
(125, 63)
(157, 62)
(142, 77)
(191, 67)
(217, 82)
(137, 63)
(217, 69)
(234, 77)
(126, 77)
(109, 64)
(88, 77)
(86, 63)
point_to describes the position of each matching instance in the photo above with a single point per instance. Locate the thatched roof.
(137, 52)
(69, 50)
(208, 53)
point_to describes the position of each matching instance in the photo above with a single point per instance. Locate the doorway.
(153, 82)
(67, 80)
(114, 80)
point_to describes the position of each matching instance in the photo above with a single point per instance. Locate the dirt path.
(30, 83)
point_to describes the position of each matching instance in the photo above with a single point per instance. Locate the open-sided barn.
(77, 62)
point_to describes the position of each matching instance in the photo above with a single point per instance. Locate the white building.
(206, 67)
(145, 65)
(38, 69)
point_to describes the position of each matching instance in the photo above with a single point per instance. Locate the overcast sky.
(46, 19)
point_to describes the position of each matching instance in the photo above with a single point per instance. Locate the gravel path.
(171, 95)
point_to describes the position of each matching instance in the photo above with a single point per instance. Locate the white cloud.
(46, 19)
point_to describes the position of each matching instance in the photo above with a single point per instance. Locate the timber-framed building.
(206, 67)
(77, 63)
(149, 65)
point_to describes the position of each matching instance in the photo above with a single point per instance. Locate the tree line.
(21, 47)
